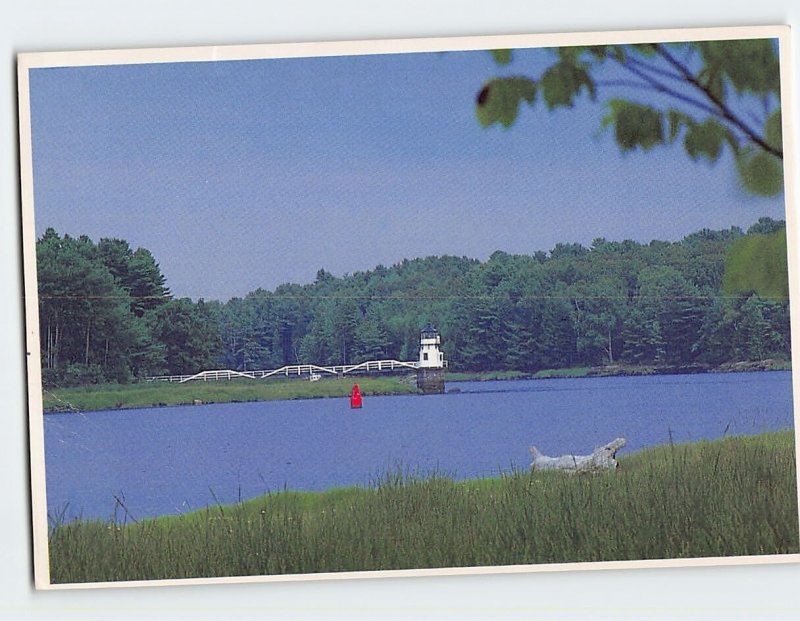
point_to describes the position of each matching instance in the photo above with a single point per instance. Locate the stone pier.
(430, 380)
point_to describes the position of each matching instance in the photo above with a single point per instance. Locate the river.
(170, 460)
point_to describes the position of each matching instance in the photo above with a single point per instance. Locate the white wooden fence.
(291, 370)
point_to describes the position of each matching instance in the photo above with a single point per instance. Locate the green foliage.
(147, 394)
(757, 263)
(570, 372)
(87, 330)
(635, 125)
(732, 497)
(616, 302)
(136, 272)
(564, 81)
(620, 302)
(500, 98)
(773, 130)
(765, 226)
(761, 172)
(745, 328)
(599, 306)
(189, 334)
(706, 91)
(95, 306)
(502, 57)
(672, 311)
(705, 139)
(750, 66)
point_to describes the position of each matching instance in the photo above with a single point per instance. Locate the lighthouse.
(431, 363)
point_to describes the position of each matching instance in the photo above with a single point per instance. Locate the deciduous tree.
(709, 95)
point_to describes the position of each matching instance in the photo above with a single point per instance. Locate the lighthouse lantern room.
(430, 356)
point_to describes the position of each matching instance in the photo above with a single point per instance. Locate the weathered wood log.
(601, 458)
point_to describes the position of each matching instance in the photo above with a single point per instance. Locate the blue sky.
(246, 174)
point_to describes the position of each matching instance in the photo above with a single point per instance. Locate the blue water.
(171, 460)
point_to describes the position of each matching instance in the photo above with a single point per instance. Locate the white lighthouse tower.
(430, 356)
(430, 370)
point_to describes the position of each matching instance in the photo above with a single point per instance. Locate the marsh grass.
(117, 396)
(570, 372)
(731, 497)
(485, 376)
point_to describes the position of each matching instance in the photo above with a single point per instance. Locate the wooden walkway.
(291, 370)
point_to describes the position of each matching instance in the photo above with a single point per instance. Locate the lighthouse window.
(425, 356)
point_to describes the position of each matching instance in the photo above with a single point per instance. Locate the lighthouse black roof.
(429, 330)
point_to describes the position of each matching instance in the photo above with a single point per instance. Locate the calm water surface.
(171, 460)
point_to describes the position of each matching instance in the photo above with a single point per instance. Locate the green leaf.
(773, 133)
(705, 139)
(676, 120)
(760, 172)
(601, 52)
(499, 99)
(711, 77)
(751, 65)
(758, 263)
(645, 49)
(570, 54)
(635, 125)
(502, 57)
(562, 82)
(618, 53)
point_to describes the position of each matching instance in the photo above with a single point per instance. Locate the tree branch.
(623, 83)
(662, 88)
(650, 83)
(724, 111)
(657, 70)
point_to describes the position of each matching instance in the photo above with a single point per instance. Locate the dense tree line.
(615, 302)
(106, 315)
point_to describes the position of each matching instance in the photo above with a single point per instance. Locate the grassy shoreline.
(160, 394)
(730, 497)
(620, 370)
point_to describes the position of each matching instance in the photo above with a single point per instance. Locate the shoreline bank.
(620, 371)
(734, 496)
(112, 397)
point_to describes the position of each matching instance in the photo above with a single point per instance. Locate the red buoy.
(355, 397)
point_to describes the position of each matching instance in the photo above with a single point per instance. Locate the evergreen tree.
(190, 337)
(657, 304)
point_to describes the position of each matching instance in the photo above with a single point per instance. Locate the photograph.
(409, 307)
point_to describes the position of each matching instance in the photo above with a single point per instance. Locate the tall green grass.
(115, 396)
(731, 497)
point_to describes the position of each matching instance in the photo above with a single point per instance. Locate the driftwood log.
(601, 458)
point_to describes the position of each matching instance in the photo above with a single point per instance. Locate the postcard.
(410, 307)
